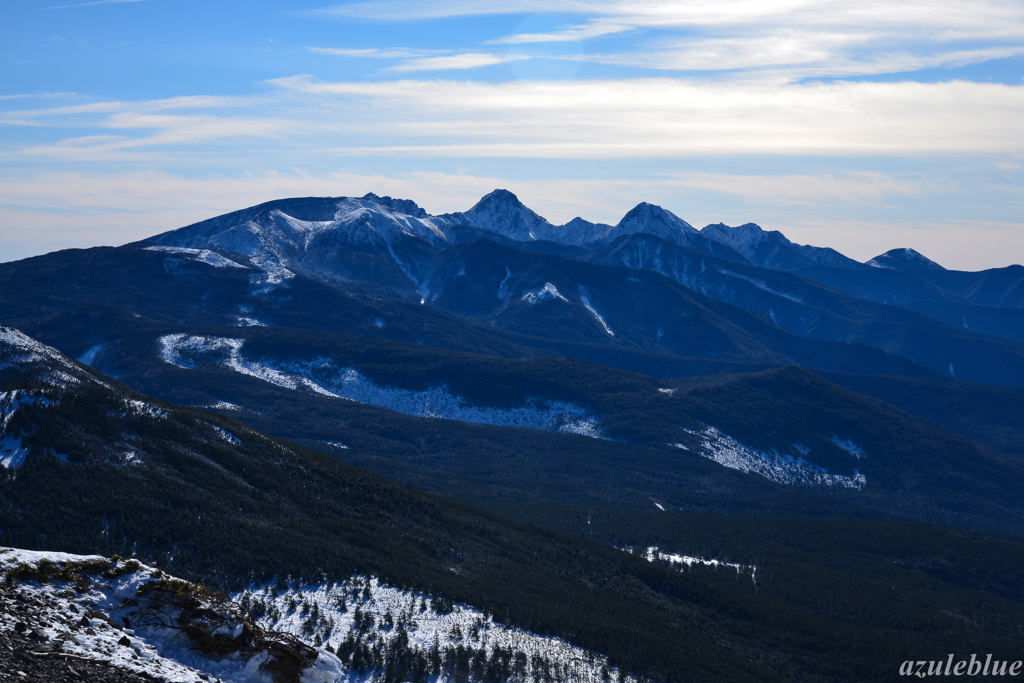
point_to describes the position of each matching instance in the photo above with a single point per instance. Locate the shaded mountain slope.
(378, 403)
(806, 308)
(985, 414)
(771, 249)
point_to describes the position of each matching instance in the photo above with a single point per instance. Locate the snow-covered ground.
(784, 469)
(18, 350)
(128, 615)
(107, 612)
(323, 377)
(327, 613)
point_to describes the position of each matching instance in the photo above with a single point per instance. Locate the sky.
(864, 126)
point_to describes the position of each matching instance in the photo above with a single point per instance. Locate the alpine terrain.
(342, 439)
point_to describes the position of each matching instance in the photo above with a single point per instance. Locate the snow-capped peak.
(653, 220)
(501, 211)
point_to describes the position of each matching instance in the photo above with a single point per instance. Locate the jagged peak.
(742, 235)
(406, 206)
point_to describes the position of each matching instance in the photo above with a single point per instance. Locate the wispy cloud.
(94, 2)
(672, 117)
(810, 38)
(468, 60)
(566, 35)
(424, 60)
(655, 118)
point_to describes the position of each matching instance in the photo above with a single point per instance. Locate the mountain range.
(616, 386)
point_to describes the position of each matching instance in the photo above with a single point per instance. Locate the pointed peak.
(498, 196)
(501, 211)
(898, 259)
(645, 215)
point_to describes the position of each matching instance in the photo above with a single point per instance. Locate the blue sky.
(862, 126)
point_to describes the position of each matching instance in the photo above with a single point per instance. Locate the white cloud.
(566, 35)
(469, 60)
(599, 119)
(672, 117)
(833, 37)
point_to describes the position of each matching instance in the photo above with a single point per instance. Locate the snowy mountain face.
(900, 259)
(503, 213)
(654, 220)
(24, 358)
(771, 249)
(318, 236)
(579, 232)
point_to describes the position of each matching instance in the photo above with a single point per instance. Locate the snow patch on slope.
(323, 377)
(784, 469)
(89, 356)
(327, 613)
(548, 291)
(440, 402)
(848, 445)
(202, 255)
(653, 554)
(12, 455)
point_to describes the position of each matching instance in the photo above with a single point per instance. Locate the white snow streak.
(586, 302)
